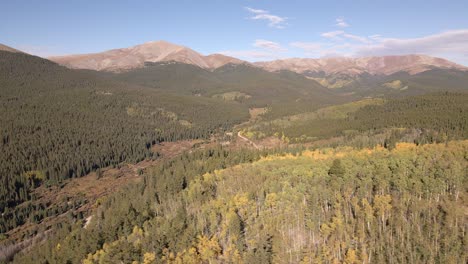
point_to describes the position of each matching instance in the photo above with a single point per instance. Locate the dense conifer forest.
(438, 116)
(283, 92)
(58, 124)
(431, 81)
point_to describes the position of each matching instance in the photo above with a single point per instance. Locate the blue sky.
(249, 29)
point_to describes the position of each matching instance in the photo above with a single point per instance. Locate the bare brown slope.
(10, 49)
(384, 65)
(218, 60)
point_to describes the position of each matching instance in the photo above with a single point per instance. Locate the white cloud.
(273, 20)
(256, 11)
(310, 49)
(452, 45)
(252, 55)
(356, 38)
(268, 45)
(308, 46)
(449, 43)
(323, 49)
(340, 22)
(331, 53)
(333, 34)
(264, 50)
(375, 37)
(340, 35)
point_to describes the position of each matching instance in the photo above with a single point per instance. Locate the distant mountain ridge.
(159, 51)
(385, 65)
(136, 56)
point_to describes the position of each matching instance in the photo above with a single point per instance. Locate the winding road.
(247, 140)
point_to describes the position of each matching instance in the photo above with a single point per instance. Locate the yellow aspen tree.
(209, 249)
(149, 258)
(382, 205)
(351, 257)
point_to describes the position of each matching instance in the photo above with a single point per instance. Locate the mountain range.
(384, 65)
(158, 51)
(181, 70)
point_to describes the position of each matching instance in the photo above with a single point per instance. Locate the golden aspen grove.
(343, 205)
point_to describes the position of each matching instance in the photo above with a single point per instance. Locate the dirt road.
(247, 140)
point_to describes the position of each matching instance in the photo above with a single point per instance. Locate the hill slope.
(434, 118)
(285, 92)
(399, 84)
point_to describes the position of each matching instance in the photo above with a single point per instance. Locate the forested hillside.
(444, 115)
(344, 205)
(58, 123)
(402, 84)
(284, 92)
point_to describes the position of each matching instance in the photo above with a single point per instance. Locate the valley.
(156, 153)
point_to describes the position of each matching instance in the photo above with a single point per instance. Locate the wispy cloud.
(268, 45)
(340, 22)
(452, 45)
(375, 37)
(333, 34)
(273, 20)
(306, 45)
(448, 43)
(356, 38)
(256, 11)
(322, 49)
(309, 48)
(263, 50)
(248, 54)
(340, 35)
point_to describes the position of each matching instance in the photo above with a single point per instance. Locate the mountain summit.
(136, 56)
